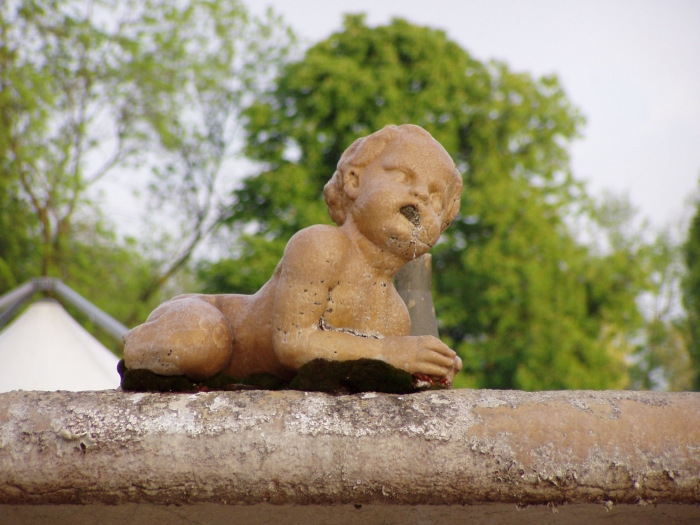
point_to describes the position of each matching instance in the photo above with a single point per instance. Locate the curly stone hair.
(363, 152)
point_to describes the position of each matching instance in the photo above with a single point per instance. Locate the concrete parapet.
(442, 457)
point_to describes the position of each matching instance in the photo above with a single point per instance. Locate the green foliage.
(524, 303)
(195, 66)
(638, 257)
(18, 250)
(55, 76)
(111, 274)
(691, 293)
(90, 86)
(248, 272)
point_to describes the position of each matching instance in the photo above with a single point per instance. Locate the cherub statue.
(331, 296)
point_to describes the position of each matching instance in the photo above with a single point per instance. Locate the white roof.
(46, 349)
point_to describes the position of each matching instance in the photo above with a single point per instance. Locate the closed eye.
(398, 175)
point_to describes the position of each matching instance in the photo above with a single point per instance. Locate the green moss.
(147, 381)
(351, 377)
(134, 380)
(319, 375)
(264, 382)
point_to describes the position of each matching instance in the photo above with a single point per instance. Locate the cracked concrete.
(623, 455)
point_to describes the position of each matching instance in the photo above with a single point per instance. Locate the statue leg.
(184, 336)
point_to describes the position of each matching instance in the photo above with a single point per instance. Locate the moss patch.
(352, 377)
(134, 380)
(319, 375)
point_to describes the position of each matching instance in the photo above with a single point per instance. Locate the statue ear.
(351, 183)
(452, 208)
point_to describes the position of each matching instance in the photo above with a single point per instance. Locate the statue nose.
(421, 193)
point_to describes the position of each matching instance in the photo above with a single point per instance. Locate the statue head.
(401, 167)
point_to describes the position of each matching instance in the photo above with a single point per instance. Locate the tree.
(659, 358)
(18, 250)
(524, 303)
(691, 293)
(110, 273)
(88, 87)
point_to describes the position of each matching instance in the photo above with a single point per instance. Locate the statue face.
(399, 198)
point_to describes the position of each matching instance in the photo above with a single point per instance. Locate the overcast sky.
(632, 67)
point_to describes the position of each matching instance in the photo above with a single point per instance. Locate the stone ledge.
(291, 449)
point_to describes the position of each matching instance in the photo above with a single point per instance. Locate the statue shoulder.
(319, 241)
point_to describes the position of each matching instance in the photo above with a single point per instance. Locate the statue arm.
(311, 263)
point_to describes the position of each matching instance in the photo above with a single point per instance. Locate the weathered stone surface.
(267, 514)
(614, 450)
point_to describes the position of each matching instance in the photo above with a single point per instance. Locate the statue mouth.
(411, 213)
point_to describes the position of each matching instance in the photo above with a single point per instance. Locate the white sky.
(632, 67)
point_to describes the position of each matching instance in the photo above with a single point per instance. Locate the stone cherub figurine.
(331, 296)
